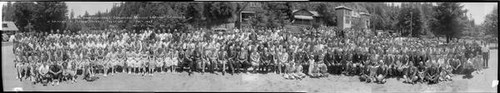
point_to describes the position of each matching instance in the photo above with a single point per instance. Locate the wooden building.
(347, 16)
(306, 17)
(9, 28)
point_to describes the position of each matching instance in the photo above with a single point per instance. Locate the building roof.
(247, 11)
(355, 14)
(10, 26)
(315, 13)
(303, 17)
(364, 13)
(252, 6)
(342, 7)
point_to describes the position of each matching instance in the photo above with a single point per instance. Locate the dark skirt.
(55, 76)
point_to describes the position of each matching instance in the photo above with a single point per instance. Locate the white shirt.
(12, 37)
(485, 48)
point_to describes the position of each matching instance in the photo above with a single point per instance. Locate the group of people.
(7, 38)
(55, 57)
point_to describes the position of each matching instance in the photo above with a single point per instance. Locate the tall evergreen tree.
(410, 20)
(327, 13)
(490, 24)
(23, 14)
(449, 20)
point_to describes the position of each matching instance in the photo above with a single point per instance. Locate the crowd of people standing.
(61, 56)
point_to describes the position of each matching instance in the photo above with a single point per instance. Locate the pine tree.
(449, 20)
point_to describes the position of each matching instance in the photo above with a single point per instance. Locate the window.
(253, 5)
(347, 13)
(4, 25)
(348, 16)
(246, 17)
(348, 20)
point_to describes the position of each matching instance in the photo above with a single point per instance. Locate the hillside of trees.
(414, 19)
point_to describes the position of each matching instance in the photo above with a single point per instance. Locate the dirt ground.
(248, 82)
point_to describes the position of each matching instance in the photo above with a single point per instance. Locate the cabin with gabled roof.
(9, 28)
(306, 17)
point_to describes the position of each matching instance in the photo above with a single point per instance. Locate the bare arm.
(459, 64)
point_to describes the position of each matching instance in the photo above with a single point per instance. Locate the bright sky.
(478, 10)
(81, 7)
(1, 8)
(92, 7)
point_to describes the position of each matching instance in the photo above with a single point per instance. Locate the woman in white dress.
(478, 63)
(168, 59)
(81, 61)
(174, 59)
(133, 61)
(121, 59)
(151, 59)
(129, 64)
(116, 61)
(143, 62)
(107, 61)
(159, 59)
